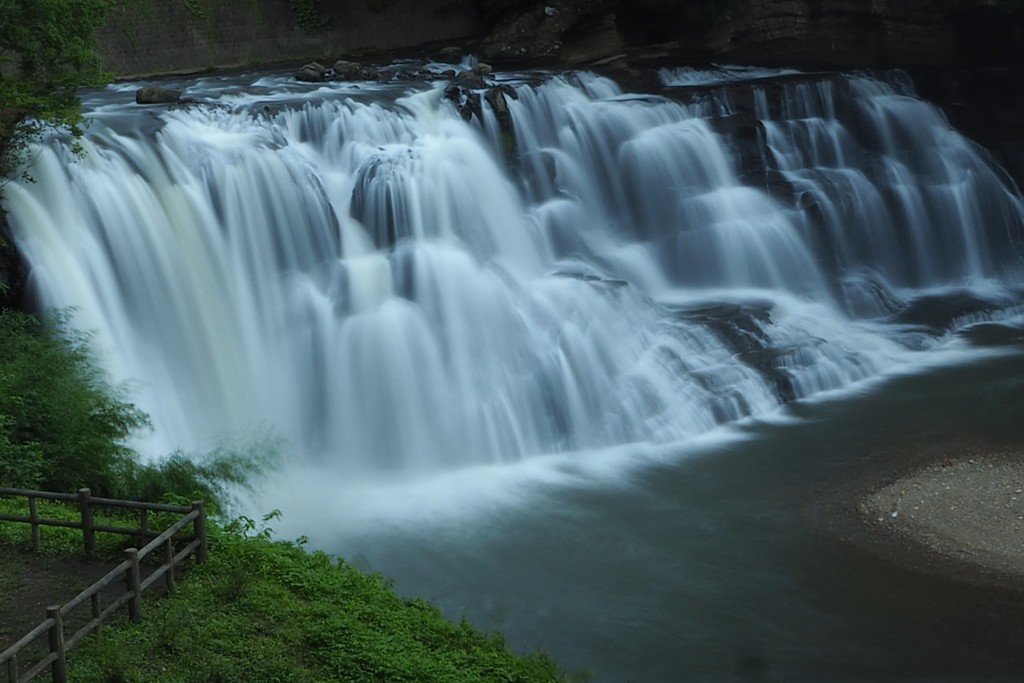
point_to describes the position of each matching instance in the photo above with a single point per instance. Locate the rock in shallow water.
(155, 94)
(314, 72)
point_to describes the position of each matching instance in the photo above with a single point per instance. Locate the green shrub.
(47, 50)
(261, 610)
(307, 16)
(63, 541)
(61, 425)
(206, 478)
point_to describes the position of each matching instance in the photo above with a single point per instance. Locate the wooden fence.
(128, 571)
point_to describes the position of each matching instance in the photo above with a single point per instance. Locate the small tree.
(47, 50)
(61, 425)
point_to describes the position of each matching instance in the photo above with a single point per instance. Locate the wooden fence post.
(133, 583)
(59, 666)
(97, 610)
(143, 527)
(88, 529)
(169, 559)
(33, 514)
(199, 525)
(12, 669)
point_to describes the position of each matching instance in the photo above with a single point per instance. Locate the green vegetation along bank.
(264, 610)
(259, 610)
(63, 427)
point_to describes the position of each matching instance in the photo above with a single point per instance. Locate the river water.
(586, 371)
(714, 561)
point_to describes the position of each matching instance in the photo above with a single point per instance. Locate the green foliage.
(201, 15)
(261, 610)
(61, 426)
(179, 479)
(307, 16)
(47, 50)
(56, 541)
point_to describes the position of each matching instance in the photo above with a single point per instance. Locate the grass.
(60, 541)
(265, 610)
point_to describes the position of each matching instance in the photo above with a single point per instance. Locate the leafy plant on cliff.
(307, 16)
(198, 10)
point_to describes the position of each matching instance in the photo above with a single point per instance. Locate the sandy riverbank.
(961, 514)
(969, 509)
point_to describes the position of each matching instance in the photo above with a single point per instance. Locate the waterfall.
(388, 287)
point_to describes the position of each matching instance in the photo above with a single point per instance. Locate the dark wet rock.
(482, 69)
(402, 73)
(451, 53)
(993, 334)
(13, 269)
(345, 70)
(498, 97)
(589, 274)
(867, 295)
(539, 31)
(375, 204)
(466, 101)
(940, 313)
(463, 91)
(314, 72)
(741, 328)
(468, 79)
(745, 137)
(155, 94)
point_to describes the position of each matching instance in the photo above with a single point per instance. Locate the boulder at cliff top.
(348, 71)
(155, 94)
(452, 53)
(538, 31)
(314, 72)
(467, 103)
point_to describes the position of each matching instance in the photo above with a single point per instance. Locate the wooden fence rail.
(129, 571)
(86, 506)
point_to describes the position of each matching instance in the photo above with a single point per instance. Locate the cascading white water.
(374, 280)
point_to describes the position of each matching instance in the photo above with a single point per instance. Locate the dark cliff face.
(808, 33)
(177, 37)
(165, 37)
(13, 271)
(862, 33)
(984, 104)
(962, 53)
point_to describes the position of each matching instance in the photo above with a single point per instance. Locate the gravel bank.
(969, 510)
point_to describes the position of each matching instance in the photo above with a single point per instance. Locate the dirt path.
(29, 583)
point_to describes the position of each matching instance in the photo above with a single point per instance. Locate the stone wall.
(173, 36)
